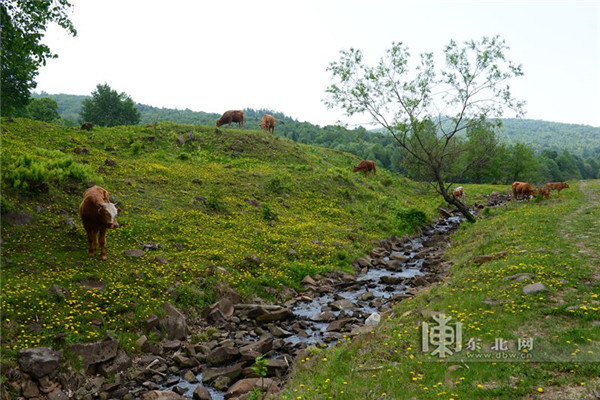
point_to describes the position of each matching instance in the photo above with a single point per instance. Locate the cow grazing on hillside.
(232, 116)
(87, 126)
(459, 193)
(522, 189)
(366, 167)
(267, 123)
(558, 186)
(97, 215)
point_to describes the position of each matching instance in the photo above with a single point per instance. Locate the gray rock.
(339, 324)
(534, 288)
(200, 393)
(39, 361)
(120, 363)
(279, 315)
(134, 253)
(17, 218)
(30, 389)
(190, 377)
(110, 163)
(262, 346)
(342, 304)
(223, 355)
(232, 371)
(174, 322)
(244, 386)
(161, 395)
(307, 280)
(222, 383)
(94, 353)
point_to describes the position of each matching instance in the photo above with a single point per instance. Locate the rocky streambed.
(216, 362)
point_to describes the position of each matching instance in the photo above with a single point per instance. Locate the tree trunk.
(451, 200)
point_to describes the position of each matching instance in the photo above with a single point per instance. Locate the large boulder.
(173, 323)
(39, 361)
(201, 393)
(95, 353)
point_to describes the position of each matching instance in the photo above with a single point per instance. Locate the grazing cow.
(524, 189)
(87, 126)
(557, 186)
(459, 193)
(97, 214)
(366, 166)
(232, 116)
(544, 192)
(267, 123)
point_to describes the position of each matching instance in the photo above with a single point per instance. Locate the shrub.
(34, 172)
(136, 147)
(267, 213)
(411, 219)
(277, 185)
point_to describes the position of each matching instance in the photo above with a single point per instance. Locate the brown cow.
(524, 189)
(459, 193)
(87, 126)
(366, 166)
(232, 116)
(267, 123)
(544, 192)
(97, 214)
(557, 186)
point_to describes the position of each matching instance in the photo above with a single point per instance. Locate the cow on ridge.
(232, 116)
(267, 123)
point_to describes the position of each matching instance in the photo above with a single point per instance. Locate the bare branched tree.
(426, 109)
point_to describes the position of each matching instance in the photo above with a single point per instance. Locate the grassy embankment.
(556, 242)
(219, 199)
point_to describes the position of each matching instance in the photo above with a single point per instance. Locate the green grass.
(194, 201)
(557, 241)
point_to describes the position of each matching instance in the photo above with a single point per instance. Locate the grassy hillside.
(554, 242)
(220, 207)
(580, 140)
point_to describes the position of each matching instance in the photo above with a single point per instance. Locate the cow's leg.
(91, 234)
(102, 241)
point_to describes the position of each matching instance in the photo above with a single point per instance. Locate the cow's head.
(219, 123)
(109, 212)
(566, 185)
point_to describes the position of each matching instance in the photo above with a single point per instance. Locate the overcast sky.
(218, 55)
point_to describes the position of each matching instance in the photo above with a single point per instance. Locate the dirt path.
(588, 239)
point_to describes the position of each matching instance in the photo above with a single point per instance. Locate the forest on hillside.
(529, 150)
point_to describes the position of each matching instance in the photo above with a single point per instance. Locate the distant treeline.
(530, 150)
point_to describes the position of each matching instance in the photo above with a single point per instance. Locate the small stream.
(323, 312)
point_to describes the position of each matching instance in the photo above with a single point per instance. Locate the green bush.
(267, 213)
(278, 185)
(411, 219)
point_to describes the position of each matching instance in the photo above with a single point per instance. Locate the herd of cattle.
(98, 214)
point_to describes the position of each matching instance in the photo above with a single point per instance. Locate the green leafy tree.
(521, 162)
(23, 24)
(426, 108)
(109, 108)
(44, 109)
